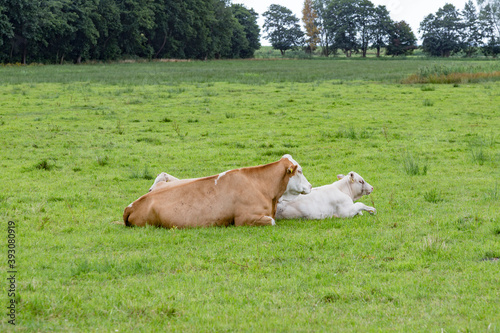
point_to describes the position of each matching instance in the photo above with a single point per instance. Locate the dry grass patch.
(453, 78)
(454, 73)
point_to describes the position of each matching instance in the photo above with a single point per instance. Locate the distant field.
(252, 72)
(79, 143)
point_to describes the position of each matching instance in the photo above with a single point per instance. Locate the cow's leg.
(254, 220)
(355, 209)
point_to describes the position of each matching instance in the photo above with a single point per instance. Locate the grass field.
(79, 143)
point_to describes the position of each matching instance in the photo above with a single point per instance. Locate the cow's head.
(162, 177)
(358, 186)
(298, 183)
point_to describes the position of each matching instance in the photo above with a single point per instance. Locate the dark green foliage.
(5, 25)
(402, 40)
(381, 28)
(441, 32)
(247, 18)
(433, 196)
(44, 165)
(57, 31)
(343, 23)
(283, 29)
(472, 36)
(489, 18)
(450, 31)
(354, 26)
(412, 167)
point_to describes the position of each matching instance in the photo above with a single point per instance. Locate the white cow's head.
(357, 185)
(162, 177)
(297, 184)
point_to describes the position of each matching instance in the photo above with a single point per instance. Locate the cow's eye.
(300, 172)
(362, 181)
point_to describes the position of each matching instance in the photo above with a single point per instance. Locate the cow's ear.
(339, 177)
(291, 170)
(351, 175)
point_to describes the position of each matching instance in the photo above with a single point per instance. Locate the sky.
(411, 11)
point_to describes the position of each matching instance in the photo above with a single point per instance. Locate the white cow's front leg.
(356, 209)
(361, 206)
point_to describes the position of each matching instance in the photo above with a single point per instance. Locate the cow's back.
(209, 201)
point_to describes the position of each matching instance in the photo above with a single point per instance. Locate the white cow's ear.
(352, 177)
(339, 177)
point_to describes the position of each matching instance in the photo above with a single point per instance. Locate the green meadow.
(80, 143)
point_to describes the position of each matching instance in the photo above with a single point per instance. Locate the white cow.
(162, 178)
(336, 200)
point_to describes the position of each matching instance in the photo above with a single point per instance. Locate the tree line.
(450, 31)
(55, 31)
(354, 26)
(351, 26)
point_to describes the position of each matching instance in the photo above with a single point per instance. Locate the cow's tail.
(126, 214)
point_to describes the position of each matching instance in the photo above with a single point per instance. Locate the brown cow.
(246, 196)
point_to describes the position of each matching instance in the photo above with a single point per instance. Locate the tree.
(325, 37)
(441, 33)
(26, 21)
(85, 34)
(472, 36)
(493, 11)
(366, 21)
(222, 27)
(402, 40)
(109, 26)
(283, 29)
(487, 18)
(5, 26)
(310, 17)
(342, 23)
(136, 19)
(381, 28)
(173, 28)
(56, 30)
(248, 20)
(59, 31)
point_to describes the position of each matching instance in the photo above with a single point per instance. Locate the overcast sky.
(411, 11)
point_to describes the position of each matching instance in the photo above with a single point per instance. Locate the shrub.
(427, 88)
(144, 174)
(411, 166)
(102, 161)
(457, 73)
(477, 153)
(432, 196)
(44, 165)
(428, 102)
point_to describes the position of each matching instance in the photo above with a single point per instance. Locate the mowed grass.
(79, 143)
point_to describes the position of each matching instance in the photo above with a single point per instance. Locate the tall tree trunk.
(162, 46)
(25, 52)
